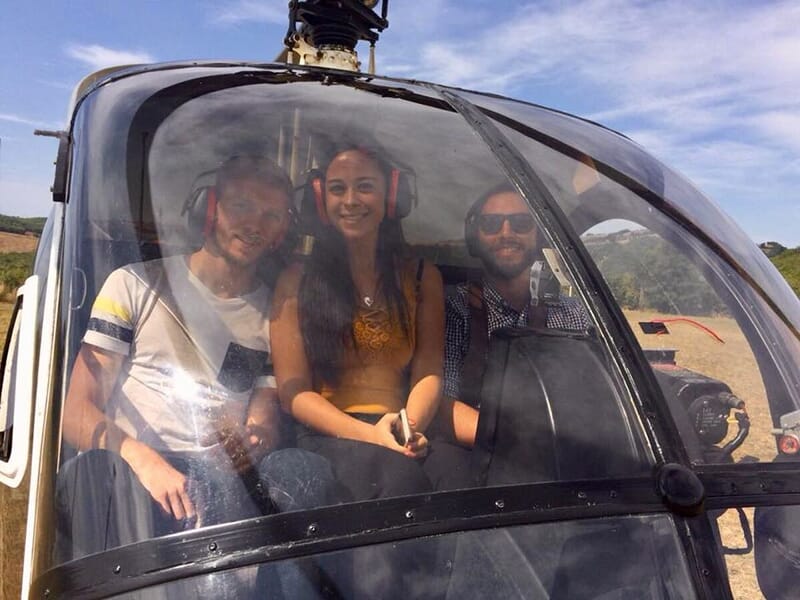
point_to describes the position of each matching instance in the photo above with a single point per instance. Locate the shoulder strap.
(537, 315)
(418, 278)
(192, 354)
(475, 360)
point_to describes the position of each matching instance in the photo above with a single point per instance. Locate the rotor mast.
(325, 32)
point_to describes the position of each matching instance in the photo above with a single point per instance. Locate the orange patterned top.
(374, 379)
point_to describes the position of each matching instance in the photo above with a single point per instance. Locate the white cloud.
(710, 88)
(99, 57)
(780, 127)
(11, 118)
(251, 11)
(61, 85)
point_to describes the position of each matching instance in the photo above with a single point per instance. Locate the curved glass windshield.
(286, 296)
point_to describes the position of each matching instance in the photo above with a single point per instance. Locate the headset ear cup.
(196, 208)
(400, 197)
(471, 234)
(319, 200)
(391, 194)
(210, 212)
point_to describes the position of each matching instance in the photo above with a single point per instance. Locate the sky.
(710, 87)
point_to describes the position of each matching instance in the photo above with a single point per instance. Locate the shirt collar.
(495, 300)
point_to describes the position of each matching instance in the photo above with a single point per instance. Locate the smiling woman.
(342, 371)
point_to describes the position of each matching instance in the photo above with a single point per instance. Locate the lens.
(521, 223)
(491, 224)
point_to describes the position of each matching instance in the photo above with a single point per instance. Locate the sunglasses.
(490, 224)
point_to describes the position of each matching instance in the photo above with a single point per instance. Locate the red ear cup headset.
(400, 195)
(200, 209)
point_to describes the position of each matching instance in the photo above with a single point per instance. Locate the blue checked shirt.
(568, 314)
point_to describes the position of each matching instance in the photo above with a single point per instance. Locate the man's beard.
(504, 270)
(237, 262)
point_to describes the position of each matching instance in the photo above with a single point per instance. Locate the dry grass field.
(730, 361)
(13, 503)
(16, 242)
(13, 507)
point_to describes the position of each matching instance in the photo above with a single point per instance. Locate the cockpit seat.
(550, 411)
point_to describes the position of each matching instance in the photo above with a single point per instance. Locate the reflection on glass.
(629, 557)
(705, 333)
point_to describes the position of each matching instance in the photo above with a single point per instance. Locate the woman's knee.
(401, 476)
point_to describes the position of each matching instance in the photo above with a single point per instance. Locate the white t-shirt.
(192, 358)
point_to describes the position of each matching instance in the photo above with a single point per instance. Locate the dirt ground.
(733, 363)
(730, 362)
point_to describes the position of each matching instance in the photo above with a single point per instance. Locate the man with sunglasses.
(500, 230)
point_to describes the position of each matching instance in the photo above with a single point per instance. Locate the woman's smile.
(355, 194)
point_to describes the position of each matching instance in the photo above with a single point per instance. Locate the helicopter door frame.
(19, 384)
(44, 442)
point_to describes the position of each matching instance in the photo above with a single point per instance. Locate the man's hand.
(166, 485)
(244, 445)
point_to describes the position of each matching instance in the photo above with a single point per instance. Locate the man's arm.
(93, 377)
(85, 426)
(426, 364)
(456, 420)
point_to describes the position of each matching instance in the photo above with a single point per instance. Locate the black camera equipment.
(334, 24)
(702, 408)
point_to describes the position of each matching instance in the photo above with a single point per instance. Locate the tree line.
(646, 273)
(788, 263)
(22, 224)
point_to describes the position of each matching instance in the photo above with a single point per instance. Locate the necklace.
(368, 299)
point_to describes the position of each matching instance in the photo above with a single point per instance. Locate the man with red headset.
(172, 402)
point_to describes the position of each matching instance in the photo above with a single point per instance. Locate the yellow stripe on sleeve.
(111, 307)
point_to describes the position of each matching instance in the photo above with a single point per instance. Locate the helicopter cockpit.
(604, 458)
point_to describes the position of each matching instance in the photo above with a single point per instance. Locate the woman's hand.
(418, 443)
(385, 436)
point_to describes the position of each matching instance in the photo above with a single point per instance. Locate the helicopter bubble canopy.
(667, 338)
